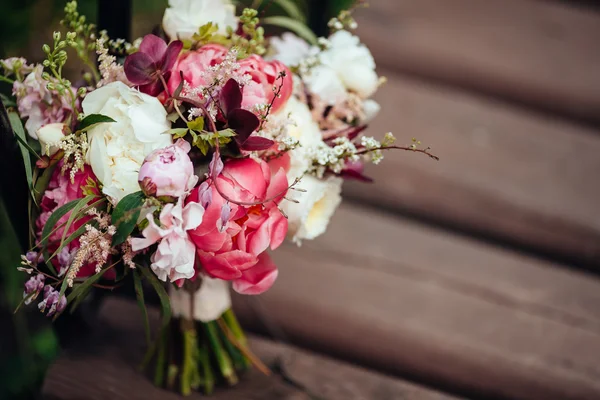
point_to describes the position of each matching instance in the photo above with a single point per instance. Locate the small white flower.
(183, 18)
(210, 301)
(117, 149)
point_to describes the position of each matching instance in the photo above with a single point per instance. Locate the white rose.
(210, 301)
(309, 218)
(347, 64)
(50, 134)
(289, 49)
(117, 149)
(183, 18)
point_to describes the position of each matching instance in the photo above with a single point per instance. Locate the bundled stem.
(192, 355)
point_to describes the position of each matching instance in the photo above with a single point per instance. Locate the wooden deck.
(475, 276)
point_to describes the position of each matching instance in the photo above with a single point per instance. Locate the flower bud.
(168, 171)
(52, 301)
(33, 287)
(49, 135)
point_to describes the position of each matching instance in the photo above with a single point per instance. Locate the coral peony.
(232, 239)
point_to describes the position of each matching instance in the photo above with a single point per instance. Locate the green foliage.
(293, 25)
(17, 126)
(92, 120)
(125, 216)
(253, 39)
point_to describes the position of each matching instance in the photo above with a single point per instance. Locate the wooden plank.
(448, 311)
(540, 53)
(504, 173)
(104, 368)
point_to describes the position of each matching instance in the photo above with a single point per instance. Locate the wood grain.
(103, 368)
(449, 312)
(540, 53)
(504, 174)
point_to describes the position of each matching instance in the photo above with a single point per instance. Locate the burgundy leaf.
(171, 54)
(255, 143)
(153, 88)
(230, 97)
(139, 68)
(243, 122)
(155, 48)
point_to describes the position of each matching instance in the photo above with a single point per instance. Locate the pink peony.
(194, 63)
(61, 191)
(175, 256)
(263, 75)
(232, 239)
(168, 171)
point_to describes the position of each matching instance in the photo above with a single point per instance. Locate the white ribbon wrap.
(210, 301)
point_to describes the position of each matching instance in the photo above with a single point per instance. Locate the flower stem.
(189, 340)
(222, 357)
(209, 379)
(159, 372)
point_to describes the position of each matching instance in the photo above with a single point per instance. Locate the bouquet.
(179, 160)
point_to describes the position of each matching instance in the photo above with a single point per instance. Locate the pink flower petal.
(257, 279)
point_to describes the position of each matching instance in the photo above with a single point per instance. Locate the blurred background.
(476, 275)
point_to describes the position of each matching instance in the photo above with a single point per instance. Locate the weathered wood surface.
(450, 312)
(104, 368)
(504, 173)
(541, 53)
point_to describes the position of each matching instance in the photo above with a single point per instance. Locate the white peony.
(309, 218)
(183, 18)
(50, 134)
(346, 65)
(210, 301)
(117, 149)
(289, 49)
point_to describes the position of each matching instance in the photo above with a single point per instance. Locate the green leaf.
(7, 101)
(17, 126)
(75, 213)
(85, 286)
(41, 184)
(293, 25)
(92, 120)
(178, 132)
(226, 133)
(165, 303)
(196, 124)
(139, 295)
(126, 214)
(291, 8)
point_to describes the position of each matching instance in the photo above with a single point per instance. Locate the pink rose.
(263, 74)
(232, 239)
(168, 171)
